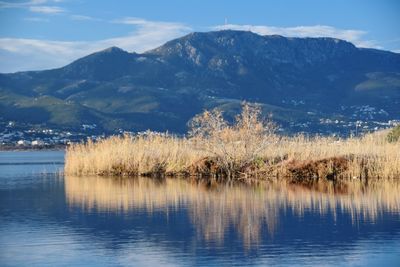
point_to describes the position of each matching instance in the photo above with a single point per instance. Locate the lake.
(47, 219)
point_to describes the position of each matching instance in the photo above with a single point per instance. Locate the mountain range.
(307, 84)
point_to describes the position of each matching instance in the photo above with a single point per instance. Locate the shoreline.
(309, 173)
(12, 148)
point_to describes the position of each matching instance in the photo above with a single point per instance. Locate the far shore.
(32, 148)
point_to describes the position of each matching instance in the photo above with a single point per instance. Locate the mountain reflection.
(246, 210)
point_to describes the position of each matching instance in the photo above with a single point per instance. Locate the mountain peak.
(206, 48)
(113, 49)
(100, 65)
(232, 37)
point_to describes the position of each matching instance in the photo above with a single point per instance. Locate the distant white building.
(22, 142)
(37, 143)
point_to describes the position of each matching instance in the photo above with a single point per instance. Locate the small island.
(247, 150)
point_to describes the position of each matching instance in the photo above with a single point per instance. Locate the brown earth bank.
(309, 173)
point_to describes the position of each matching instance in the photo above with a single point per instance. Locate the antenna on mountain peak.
(226, 21)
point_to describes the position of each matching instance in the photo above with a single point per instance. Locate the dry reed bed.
(247, 149)
(367, 157)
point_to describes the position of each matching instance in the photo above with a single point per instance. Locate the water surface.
(51, 220)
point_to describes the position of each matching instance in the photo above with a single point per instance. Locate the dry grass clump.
(247, 149)
(127, 155)
(367, 157)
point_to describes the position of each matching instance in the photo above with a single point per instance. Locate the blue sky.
(41, 34)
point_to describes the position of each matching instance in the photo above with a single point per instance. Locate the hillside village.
(17, 135)
(23, 136)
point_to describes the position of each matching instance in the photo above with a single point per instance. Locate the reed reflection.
(246, 210)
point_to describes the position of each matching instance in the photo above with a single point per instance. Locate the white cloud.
(36, 19)
(4, 4)
(83, 18)
(36, 6)
(10, 4)
(147, 24)
(20, 54)
(39, 2)
(354, 36)
(46, 9)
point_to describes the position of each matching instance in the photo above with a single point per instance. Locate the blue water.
(47, 219)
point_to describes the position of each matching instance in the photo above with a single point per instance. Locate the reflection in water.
(243, 209)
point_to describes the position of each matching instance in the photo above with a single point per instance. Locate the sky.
(44, 34)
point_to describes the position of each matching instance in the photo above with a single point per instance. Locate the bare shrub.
(237, 145)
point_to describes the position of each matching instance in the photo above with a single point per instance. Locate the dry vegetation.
(247, 150)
